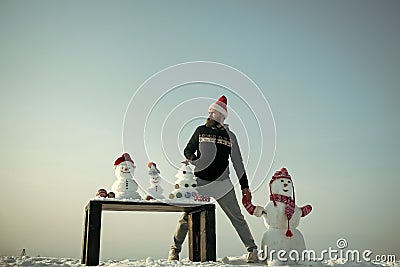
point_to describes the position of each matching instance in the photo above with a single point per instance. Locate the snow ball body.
(125, 186)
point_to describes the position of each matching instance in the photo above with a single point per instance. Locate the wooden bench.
(202, 241)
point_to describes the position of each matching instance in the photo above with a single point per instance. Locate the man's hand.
(246, 194)
(186, 162)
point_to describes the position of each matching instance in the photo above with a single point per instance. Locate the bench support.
(201, 220)
(91, 240)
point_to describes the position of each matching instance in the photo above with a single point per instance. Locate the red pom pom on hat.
(222, 101)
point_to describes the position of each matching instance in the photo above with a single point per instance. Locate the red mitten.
(305, 210)
(248, 206)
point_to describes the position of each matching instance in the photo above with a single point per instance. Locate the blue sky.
(68, 69)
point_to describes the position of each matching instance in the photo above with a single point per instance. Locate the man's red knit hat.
(221, 105)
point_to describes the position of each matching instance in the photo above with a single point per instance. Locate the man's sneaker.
(173, 255)
(252, 256)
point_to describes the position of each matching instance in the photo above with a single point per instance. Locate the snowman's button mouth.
(285, 190)
(125, 172)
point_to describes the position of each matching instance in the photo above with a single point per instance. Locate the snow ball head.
(282, 186)
(155, 179)
(124, 167)
(125, 170)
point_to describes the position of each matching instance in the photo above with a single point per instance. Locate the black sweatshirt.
(209, 149)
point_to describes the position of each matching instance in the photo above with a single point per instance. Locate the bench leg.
(85, 235)
(93, 234)
(202, 241)
(207, 236)
(194, 236)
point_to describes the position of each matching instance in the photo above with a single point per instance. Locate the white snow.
(235, 261)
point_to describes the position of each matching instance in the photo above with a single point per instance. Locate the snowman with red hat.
(281, 217)
(125, 187)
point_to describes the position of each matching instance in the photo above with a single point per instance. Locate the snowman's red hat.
(221, 105)
(124, 157)
(151, 164)
(282, 173)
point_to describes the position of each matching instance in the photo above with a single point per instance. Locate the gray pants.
(229, 205)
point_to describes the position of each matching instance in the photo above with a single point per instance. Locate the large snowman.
(281, 217)
(125, 187)
(155, 190)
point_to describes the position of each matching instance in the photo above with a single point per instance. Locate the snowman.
(125, 187)
(155, 190)
(185, 187)
(281, 217)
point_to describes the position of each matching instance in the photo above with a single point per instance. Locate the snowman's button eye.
(193, 185)
(282, 181)
(288, 182)
(186, 185)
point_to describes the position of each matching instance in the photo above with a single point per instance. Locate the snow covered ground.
(150, 262)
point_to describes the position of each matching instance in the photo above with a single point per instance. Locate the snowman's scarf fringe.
(289, 208)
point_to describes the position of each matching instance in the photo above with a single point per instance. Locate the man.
(209, 150)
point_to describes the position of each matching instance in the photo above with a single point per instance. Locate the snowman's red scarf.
(289, 208)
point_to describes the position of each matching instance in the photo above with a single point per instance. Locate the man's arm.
(237, 161)
(192, 146)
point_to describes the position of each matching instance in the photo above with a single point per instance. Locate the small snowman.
(184, 186)
(281, 217)
(155, 190)
(125, 187)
